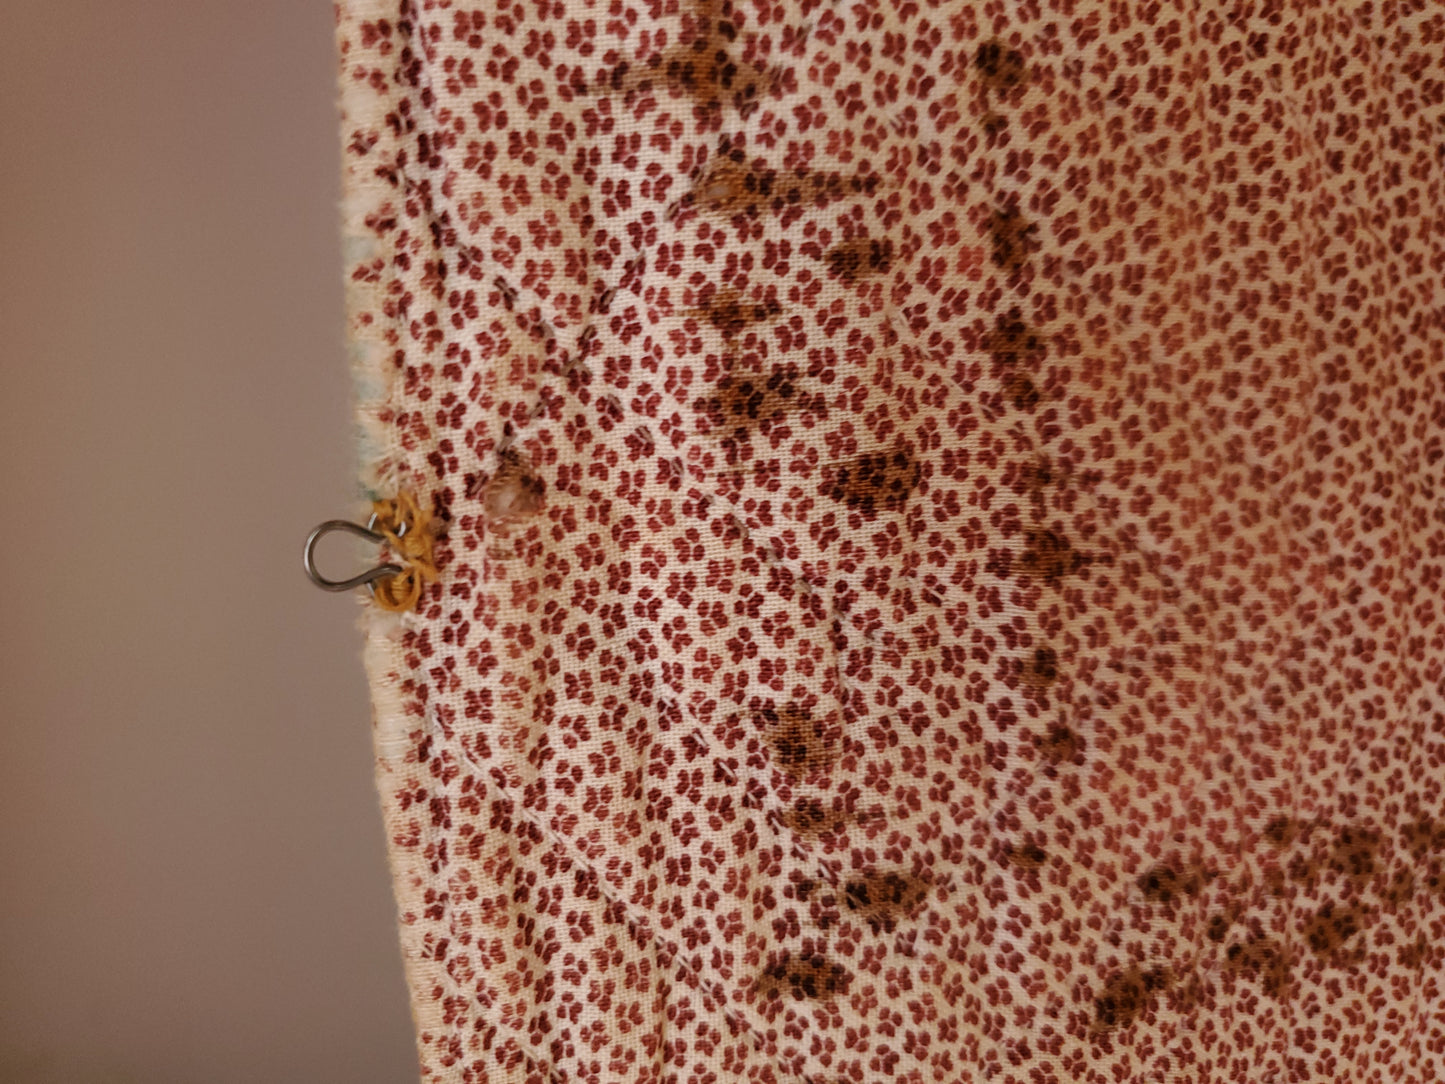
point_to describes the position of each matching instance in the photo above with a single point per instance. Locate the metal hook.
(368, 578)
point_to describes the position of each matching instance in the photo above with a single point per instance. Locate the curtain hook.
(367, 578)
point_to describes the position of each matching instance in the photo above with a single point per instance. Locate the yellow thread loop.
(408, 534)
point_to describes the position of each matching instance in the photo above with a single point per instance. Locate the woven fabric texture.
(939, 523)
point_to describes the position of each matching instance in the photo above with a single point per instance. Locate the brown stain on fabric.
(1280, 832)
(1425, 841)
(1001, 74)
(809, 817)
(1050, 556)
(1032, 479)
(1275, 882)
(1040, 669)
(742, 401)
(1423, 837)
(1332, 927)
(1401, 889)
(799, 744)
(883, 899)
(1025, 855)
(1188, 995)
(999, 67)
(1010, 342)
(730, 186)
(805, 889)
(732, 313)
(1303, 871)
(1353, 853)
(859, 258)
(874, 483)
(1173, 879)
(701, 65)
(1129, 995)
(1415, 955)
(1062, 745)
(1012, 346)
(1264, 961)
(803, 976)
(1014, 238)
(1019, 390)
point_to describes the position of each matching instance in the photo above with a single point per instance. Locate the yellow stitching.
(409, 536)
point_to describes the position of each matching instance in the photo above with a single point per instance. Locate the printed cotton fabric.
(940, 534)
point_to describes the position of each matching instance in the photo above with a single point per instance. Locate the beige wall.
(193, 883)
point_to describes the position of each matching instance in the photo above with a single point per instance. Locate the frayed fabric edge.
(395, 734)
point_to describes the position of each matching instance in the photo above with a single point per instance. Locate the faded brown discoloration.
(1331, 928)
(810, 976)
(1014, 238)
(513, 492)
(1186, 996)
(799, 744)
(999, 66)
(1353, 853)
(1040, 669)
(730, 186)
(1239, 403)
(1021, 392)
(883, 899)
(1401, 888)
(1281, 832)
(859, 258)
(701, 65)
(1033, 479)
(1275, 882)
(1025, 855)
(874, 483)
(731, 313)
(1415, 955)
(809, 817)
(1173, 879)
(1128, 995)
(1062, 745)
(1011, 342)
(1304, 871)
(744, 401)
(1265, 961)
(1423, 837)
(1050, 556)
